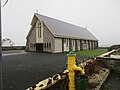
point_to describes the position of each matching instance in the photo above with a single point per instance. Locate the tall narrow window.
(39, 30)
(64, 40)
(49, 45)
(38, 26)
(38, 33)
(73, 42)
(70, 43)
(67, 42)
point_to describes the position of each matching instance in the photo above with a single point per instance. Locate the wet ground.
(22, 70)
(112, 82)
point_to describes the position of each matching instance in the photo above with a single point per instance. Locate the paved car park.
(22, 70)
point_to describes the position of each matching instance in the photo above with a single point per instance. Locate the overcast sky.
(101, 17)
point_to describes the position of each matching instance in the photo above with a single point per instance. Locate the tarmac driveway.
(21, 71)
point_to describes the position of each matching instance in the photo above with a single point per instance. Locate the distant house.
(7, 42)
(51, 35)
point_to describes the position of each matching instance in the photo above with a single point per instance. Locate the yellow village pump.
(72, 68)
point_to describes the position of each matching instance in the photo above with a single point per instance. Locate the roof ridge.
(59, 27)
(60, 20)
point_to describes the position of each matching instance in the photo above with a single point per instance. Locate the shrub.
(113, 47)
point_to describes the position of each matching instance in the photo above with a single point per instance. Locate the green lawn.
(91, 53)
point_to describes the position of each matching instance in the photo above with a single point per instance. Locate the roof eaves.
(33, 18)
(31, 25)
(29, 32)
(71, 37)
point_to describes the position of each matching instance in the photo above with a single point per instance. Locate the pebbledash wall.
(42, 39)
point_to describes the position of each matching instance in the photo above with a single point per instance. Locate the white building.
(7, 42)
(52, 35)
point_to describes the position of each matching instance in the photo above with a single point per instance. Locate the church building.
(51, 35)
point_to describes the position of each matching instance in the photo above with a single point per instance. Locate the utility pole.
(1, 77)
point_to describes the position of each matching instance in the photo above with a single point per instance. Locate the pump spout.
(76, 68)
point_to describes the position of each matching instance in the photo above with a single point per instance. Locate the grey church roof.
(60, 28)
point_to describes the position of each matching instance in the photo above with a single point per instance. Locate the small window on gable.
(49, 45)
(44, 45)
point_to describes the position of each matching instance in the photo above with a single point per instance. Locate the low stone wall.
(13, 48)
(96, 75)
(111, 60)
(50, 82)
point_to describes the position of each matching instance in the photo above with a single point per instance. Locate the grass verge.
(91, 53)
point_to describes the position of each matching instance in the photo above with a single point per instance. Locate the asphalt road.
(22, 70)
